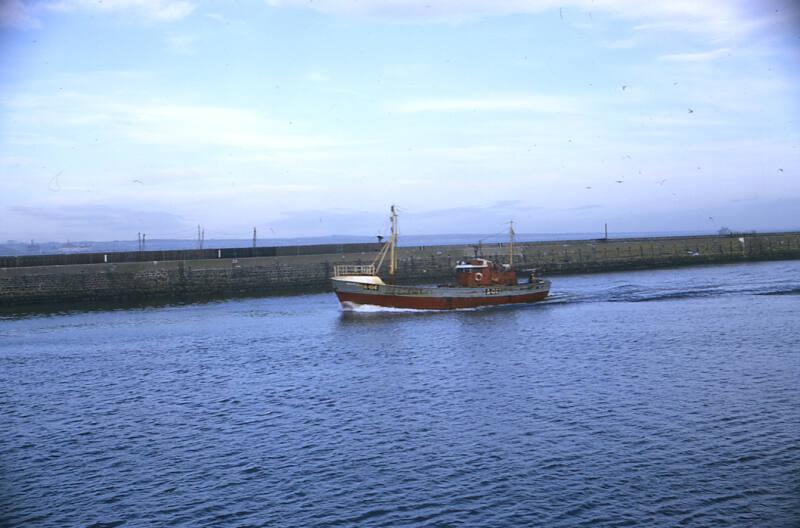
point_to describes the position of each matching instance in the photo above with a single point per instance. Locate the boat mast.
(511, 244)
(393, 244)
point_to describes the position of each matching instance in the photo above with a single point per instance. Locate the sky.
(309, 118)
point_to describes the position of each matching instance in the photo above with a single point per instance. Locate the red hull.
(437, 303)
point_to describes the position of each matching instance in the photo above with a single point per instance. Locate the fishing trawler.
(479, 282)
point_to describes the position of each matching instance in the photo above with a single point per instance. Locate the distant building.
(71, 247)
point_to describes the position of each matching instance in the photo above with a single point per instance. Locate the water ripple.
(626, 399)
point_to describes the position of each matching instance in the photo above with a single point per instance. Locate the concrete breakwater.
(265, 271)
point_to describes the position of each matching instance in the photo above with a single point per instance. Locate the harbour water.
(653, 398)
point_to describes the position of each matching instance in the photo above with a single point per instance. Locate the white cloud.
(15, 161)
(316, 76)
(530, 103)
(24, 15)
(166, 124)
(181, 173)
(705, 56)
(621, 44)
(662, 120)
(207, 125)
(162, 10)
(721, 18)
(403, 70)
(181, 44)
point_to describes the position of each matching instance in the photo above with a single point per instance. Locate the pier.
(219, 273)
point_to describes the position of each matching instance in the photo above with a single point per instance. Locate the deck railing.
(352, 269)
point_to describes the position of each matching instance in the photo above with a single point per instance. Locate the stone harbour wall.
(590, 256)
(299, 272)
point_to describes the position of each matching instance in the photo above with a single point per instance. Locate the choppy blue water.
(656, 398)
